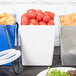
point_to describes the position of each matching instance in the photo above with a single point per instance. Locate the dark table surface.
(31, 70)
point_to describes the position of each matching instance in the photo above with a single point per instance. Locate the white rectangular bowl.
(37, 44)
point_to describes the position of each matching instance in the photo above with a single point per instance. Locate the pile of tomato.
(37, 17)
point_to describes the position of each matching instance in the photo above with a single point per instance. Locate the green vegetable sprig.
(56, 72)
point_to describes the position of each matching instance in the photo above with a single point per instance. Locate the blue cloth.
(3, 37)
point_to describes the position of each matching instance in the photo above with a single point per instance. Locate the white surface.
(37, 44)
(38, 0)
(16, 1)
(10, 55)
(65, 69)
(56, 1)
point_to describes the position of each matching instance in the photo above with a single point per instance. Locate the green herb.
(56, 72)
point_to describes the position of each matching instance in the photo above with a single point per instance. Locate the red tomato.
(42, 23)
(40, 17)
(39, 11)
(31, 15)
(24, 21)
(50, 14)
(33, 22)
(51, 22)
(24, 15)
(47, 13)
(46, 18)
(31, 10)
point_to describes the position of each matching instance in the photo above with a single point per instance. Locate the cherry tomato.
(24, 15)
(47, 13)
(46, 18)
(50, 14)
(31, 10)
(42, 23)
(31, 15)
(24, 21)
(40, 17)
(33, 22)
(39, 11)
(51, 22)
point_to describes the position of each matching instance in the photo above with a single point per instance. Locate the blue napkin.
(3, 38)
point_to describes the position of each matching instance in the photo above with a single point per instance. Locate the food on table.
(56, 72)
(42, 23)
(10, 20)
(68, 20)
(7, 19)
(40, 16)
(46, 18)
(33, 22)
(37, 17)
(31, 13)
(50, 14)
(24, 15)
(2, 21)
(72, 72)
(51, 22)
(3, 15)
(31, 10)
(24, 21)
(39, 11)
